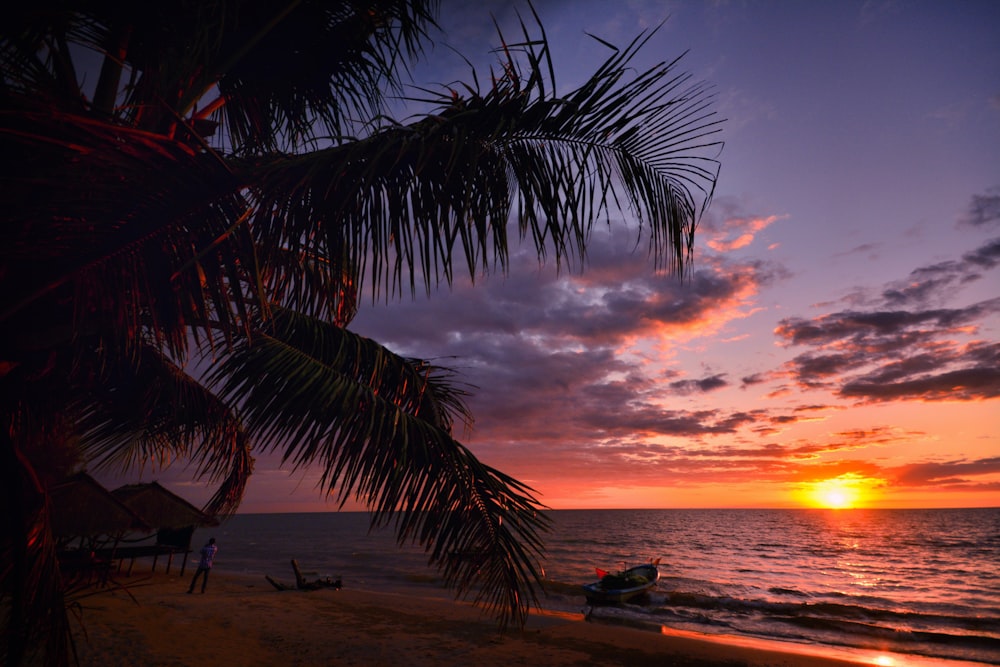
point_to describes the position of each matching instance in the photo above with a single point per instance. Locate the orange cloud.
(736, 233)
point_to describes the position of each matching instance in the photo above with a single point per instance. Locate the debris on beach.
(302, 585)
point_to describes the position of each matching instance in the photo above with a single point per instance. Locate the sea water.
(921, 582)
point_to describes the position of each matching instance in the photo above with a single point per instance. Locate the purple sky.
(842, 318)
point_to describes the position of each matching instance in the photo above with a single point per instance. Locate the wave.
(959, 633)
(979, 620)
(965, 635)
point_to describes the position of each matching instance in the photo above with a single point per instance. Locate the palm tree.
(188, 234)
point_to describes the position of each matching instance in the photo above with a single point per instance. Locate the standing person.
(204, 565)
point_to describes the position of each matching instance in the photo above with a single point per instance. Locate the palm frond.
(295, 369)
(380, 427)
(37, 63)
(149, 235)
(409, 202)
(150, 412)
(480, 527)
(238, 462)
(317, 285)
(345, 56)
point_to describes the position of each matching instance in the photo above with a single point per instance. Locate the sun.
(836, 498)
(839, 493)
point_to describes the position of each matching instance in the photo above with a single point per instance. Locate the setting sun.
(837, 497)
(844, 492)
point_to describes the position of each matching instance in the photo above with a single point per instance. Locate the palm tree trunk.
(30, 579)
(111, 72)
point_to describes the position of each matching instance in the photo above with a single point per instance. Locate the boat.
(623, 586)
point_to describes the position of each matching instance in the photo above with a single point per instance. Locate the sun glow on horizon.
(837, 498)
(838, 493)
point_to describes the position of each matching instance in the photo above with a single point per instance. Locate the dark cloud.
(701, 386)
(881, 435)
(906, 345)
(949, 473)
(984, 210)
(936, 283)
(784, 419)
(987, 256)
(856, 325)
(812, 369)
(965, 384)
(924, 284)
(543, 349)
(618, 296)
(813, 408)
(894, 356)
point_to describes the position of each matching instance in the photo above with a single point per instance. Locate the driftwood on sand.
(301, 584)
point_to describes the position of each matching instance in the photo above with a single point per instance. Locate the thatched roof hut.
(173, 517)
(81, 507)
(161, 508)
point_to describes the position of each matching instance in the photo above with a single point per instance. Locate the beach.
(243, 620)
(872, 583)
(750, 588)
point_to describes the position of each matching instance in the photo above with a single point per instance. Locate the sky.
(838, 340)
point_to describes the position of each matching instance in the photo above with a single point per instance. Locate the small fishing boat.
(623, 586)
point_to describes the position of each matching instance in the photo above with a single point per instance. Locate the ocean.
(918, 582)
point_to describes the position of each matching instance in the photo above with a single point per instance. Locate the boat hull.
(644, 576)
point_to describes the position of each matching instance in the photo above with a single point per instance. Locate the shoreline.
(243, 620)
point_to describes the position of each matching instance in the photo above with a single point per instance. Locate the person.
(204, 565)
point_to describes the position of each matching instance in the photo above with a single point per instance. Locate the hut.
(87, 523)
(173, 518)
(82, 508)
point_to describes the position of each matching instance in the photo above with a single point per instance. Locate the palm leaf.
(380, 428)
(148, 239)
(345, 56)
(152, 412)
(313, 284)
(406, 202)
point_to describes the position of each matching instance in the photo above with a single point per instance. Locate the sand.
(243, 620)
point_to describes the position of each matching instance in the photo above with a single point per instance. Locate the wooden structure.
(82, 508)
(87, 522)
(174, 519)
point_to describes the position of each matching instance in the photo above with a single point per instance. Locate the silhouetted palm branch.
(380, 428)
(412, 199)
(152, 413)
